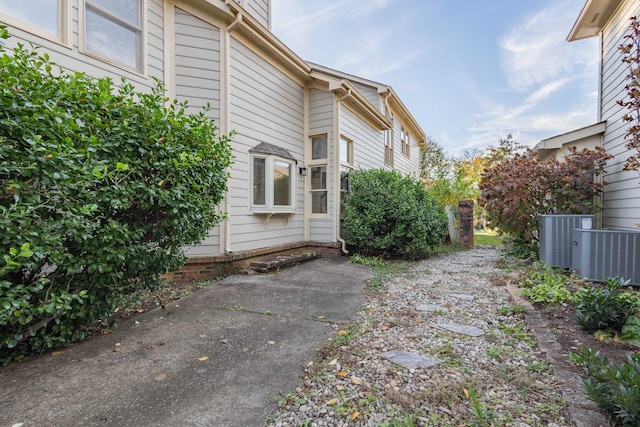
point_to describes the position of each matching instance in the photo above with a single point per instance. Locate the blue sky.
(470, 71)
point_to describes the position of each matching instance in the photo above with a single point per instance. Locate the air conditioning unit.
(556, 235)
(599, 254)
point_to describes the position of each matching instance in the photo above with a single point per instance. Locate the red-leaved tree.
(517, 190)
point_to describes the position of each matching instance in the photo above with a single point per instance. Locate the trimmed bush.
(101, 188)
(602, 308)
(389, 214)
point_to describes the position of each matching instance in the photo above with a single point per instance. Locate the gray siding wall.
(69, 57)
(197, 80)
(260, 10)
(403, 164)
(321, 121)
(368, 143)
(266, 106)
(621, 199)
(369, 92)
(197, 63)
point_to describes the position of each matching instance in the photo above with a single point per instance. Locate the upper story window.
(346, 151)
(113, 30)
(318, 171)
(46, 18)
(405, 141)
(388, 147)
(272, 179)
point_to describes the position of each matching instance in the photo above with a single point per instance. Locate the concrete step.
(275, 262)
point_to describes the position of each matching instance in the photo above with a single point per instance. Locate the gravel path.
(488, 372)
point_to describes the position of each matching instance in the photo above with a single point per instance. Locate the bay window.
(272, 177)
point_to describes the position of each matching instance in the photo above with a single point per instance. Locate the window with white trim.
(346, 166)
(405, 140)
(45, 18)
(388, 147)
(113, 30)
(318, 173)
(273, 180)
(346, 151)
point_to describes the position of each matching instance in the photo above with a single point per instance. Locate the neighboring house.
(300, 127)
(609, 20)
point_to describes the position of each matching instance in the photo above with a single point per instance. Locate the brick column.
(465, 209)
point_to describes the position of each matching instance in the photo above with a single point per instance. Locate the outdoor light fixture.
(303, 171)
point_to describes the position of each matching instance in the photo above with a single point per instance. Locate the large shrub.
(100, 189)
(517, 190)
(390, 214)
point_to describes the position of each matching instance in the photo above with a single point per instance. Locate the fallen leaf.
(356, 380)
(332, 401)
(341, 332)
(342, 374)
(136, 322)
(160, 377)
(466, 393)
(387, 313)
(117, 349)
(56, 353)
(203, 358)
(333, 362)
(371, 309)
(384, 328)
(339, 387)
(271, 342)
(355, 415)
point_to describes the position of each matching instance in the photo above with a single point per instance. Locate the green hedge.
(101, 187)
(389, 214)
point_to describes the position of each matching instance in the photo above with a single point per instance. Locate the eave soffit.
(593, 17)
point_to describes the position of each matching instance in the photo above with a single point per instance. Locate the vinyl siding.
(368, 143)
(621, 199)
(197, 63)
(260, 10)
(401, 163)
(321, 121)
(197, 80)
(369, 92)
(266, 106)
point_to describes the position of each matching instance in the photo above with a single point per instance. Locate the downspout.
(337, 160)
(387, 109)
(235, 23)
(227, 197)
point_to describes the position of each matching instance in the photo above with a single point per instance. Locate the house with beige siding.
(300, 128)
(608, 20)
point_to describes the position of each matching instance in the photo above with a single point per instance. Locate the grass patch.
(487, 238)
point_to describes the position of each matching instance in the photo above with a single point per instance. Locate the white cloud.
(535, 50)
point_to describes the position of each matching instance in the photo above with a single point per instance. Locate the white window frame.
(270, 207)
(405, 140)
(140, 29)
(348, 162)
(316, 163)
(388, 148)
(64, 18)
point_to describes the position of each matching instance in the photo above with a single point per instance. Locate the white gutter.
(235, 23)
